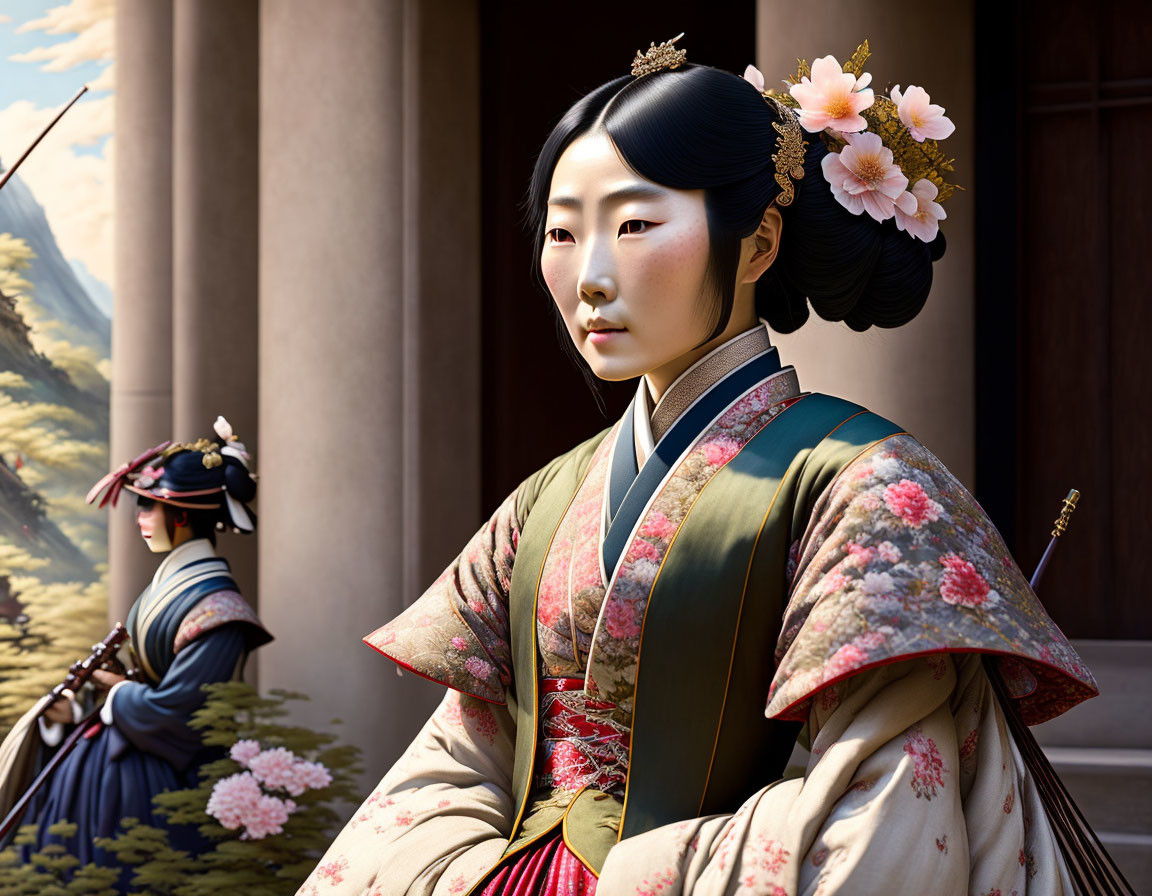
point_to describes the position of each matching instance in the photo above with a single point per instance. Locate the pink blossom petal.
(923, 119)
(832, 98)
(754, 77)
(877, 205)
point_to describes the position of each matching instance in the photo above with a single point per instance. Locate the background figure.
(190, 627)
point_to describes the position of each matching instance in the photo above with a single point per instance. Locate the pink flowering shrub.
(232, 797)
(244, 751)
(267, 808)
(275, 769)
(240, 800)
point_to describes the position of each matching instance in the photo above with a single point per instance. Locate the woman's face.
(153, 525)
(625, 260)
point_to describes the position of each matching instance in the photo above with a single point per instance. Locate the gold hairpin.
(789, 155)
(658, 58)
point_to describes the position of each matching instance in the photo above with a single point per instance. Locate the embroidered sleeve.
(457, 632)
(913, 786)
(899, 561)
(216, 610)
(155, 719)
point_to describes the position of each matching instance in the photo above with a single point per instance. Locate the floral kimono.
(636, 640)
(189, 627)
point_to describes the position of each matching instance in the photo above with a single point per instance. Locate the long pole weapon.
(103, 656)
(7, 174)
(1091, 867)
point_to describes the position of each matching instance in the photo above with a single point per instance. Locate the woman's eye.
(634, 226)
(560, 235)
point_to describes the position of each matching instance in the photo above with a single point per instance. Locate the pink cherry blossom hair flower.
(863, 177)
(924, 120)
(924, 222)
(832, 98)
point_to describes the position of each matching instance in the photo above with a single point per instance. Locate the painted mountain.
(54, 356)
(54, 349)
(58, 291)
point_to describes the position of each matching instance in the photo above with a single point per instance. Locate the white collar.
(189, 552)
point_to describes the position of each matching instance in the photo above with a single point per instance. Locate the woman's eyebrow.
(623, 194)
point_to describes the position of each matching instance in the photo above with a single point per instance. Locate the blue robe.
(189, 628)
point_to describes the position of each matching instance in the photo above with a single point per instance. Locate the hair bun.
(238, 480)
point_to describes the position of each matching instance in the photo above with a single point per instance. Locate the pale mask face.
(153, 525)
(625, 260)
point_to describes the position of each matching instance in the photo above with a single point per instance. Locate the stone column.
(368, 302)
(441, 285)
(920, 375)
(215, 231)
(142, 322)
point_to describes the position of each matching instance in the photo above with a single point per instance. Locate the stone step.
(1132, 854)
(1113, 788)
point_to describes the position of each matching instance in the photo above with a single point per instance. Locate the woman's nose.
(597, 283)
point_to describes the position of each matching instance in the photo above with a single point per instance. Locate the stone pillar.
(441, 285)
(215, 231)
(920, 375)
(368, 301)
(142, 322)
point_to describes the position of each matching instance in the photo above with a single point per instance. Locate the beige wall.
(920, 375)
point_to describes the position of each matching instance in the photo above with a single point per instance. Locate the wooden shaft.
(43, 133)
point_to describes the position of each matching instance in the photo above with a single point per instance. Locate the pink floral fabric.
(571, 586)
(212, 612)
(614, 658)
(899, 561)
(457, 632)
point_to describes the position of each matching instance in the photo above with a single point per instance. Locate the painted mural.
(55, 322)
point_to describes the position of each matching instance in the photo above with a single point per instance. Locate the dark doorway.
(1064, 383)
(538, 60)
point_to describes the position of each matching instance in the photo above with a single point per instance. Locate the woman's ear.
(758, 251)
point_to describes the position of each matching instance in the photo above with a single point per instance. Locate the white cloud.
(94, 44)
(4, 18)
(90, 21)
(74, 188)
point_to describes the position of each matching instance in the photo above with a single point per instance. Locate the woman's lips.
(604, 334)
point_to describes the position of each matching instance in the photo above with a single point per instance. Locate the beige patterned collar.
(651, 424)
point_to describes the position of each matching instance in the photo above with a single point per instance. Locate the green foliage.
(274, 865)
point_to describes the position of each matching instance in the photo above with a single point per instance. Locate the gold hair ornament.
(210, 450)
(658, 58)
(789, 155)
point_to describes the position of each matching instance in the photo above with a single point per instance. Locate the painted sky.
(47, 51)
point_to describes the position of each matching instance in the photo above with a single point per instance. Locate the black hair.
(697, 127)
